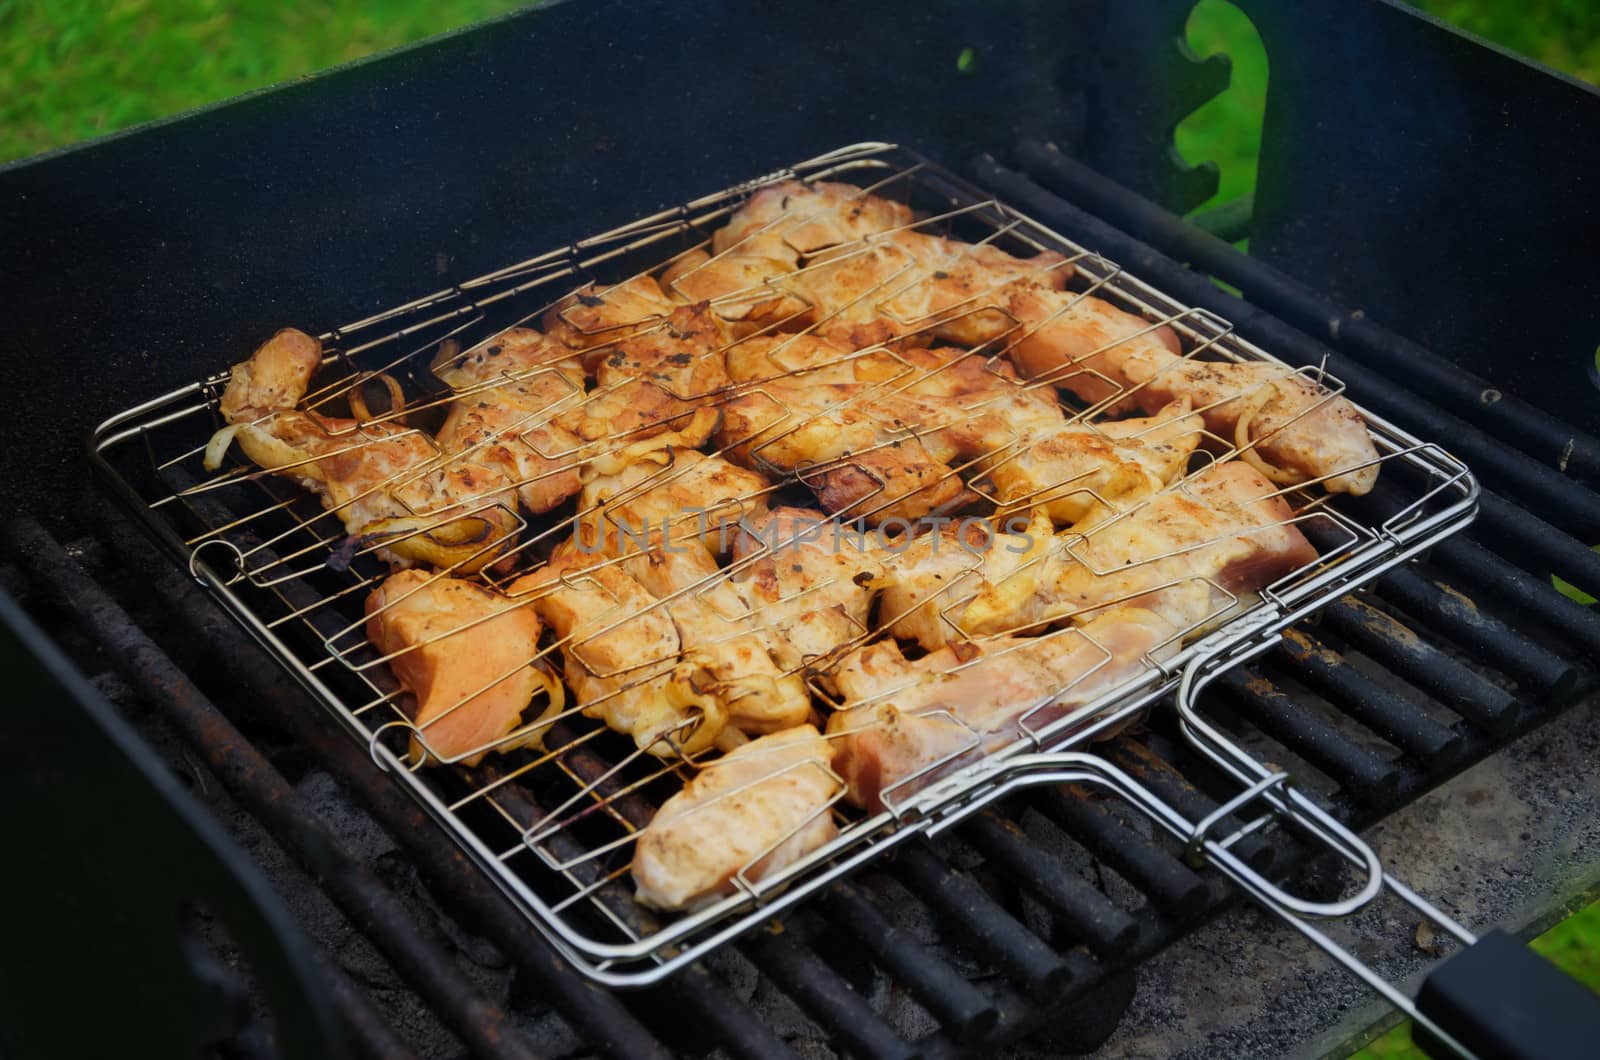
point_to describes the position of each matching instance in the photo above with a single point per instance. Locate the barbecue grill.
(335, 234)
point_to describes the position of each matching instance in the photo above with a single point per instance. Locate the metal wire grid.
(553, 824)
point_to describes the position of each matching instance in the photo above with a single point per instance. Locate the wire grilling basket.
(553, 809)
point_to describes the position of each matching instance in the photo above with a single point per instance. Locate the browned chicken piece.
(908, 282)
(726, 640)
(791, 218)
(885, 445)
(762, 358)
(809, 579)
(354, 466)
(1190, 553)
(766, 239)
(695, 497)
(500, 433)
(798, 257)
(930, 581)
(594, 316)
(1289, 427)
(470, 657)
(906, 723)
(685, 356)
(1076, 470)
(860, 462)
(653, 387)
(747, 815)
(621, 654)
(890, 480)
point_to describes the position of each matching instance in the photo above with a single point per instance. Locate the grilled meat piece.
(905, 282)
(929, 581)
(1193, 553)
(501, 433)
(750, 813)
(470, 657)
(594, 317)
(1289, 427)
(730, 644)
(354, 466)
(621, 654)
(878, 437)
(1082, 470)
(810, 580)
(687, 495)
(765, 240)
(908, 722)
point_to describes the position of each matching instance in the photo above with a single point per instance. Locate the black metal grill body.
(1433, 205)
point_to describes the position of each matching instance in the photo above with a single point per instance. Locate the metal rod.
(939, 988)
(973, 919)
(1487, 637)
(1168, 881)
(841, 1011)
(1534, 543)
(415, 950)
(1486, 705)
(1516, 421)
(1083, 910)
(1362, 775)
(1389, 715)
(1557, 497)
(1523, 594)
(1165, 781)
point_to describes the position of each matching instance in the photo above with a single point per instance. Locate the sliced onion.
(217, 447)
(1248, 452)
(397, 398)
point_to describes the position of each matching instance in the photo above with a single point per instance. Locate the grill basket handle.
(1499, 998)
(1493, 998)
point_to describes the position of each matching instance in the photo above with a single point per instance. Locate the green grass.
(73, 69)
(1563, 34)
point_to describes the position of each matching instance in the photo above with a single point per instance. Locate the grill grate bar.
(1531, 540)
(803, 975)
(1168, 881)
(1151, 770)
(1462, 621)
(969, 916)
(968, 1015)
(1086, 911)
(1380, 709)
(1378, 635)
(1523, 594)
(414, 950)
(1364, 776)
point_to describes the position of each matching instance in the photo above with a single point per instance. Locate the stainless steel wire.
(622, 444)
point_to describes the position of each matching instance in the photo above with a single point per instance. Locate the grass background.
(75, 69)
